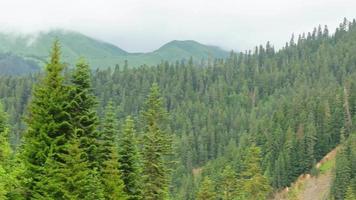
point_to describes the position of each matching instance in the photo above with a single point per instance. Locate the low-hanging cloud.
(141, 25)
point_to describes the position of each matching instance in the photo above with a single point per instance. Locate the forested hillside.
(100, 54)
(235, 128)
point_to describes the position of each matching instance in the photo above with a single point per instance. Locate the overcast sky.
(145, 25)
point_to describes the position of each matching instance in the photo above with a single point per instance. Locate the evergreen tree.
(253, 184)
(82, 110)
(157, 145)
(228, 184)
(5, 153)
(130, 161)
(206, 190)
(48, 130)
(342, 175)
(110, 169)
(112, 178)
(350, 194)
(78, 180)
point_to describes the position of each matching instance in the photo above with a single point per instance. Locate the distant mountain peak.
(100, 54)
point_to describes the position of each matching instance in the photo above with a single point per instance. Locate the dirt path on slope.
(317, 188)
(308, 187)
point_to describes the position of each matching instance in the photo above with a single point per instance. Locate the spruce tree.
(350, 194)
(110, 169)
(48, 129)
(5, 153)
(78, 180)
(157, 145)
(253, 184)
(342, 174)
(228, 184)
(206, 190)
(82, 111)
(130, 165)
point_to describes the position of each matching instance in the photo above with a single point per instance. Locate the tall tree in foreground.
(48, 130)
(129, 161)
(157, 145)
(110, 167)
(77, 174)
(82, 111)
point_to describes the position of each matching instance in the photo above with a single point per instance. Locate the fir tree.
(342, 174)
(82, 110)
(130, 161)
(206, 190)
(253, 184)
(157, 146)
(5, 153)
(110, 169)
(228, 184)
(48, 129)
(78, 180)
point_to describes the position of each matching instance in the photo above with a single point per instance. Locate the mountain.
(99, 54)
(15, 65)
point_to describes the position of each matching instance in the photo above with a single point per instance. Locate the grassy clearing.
(327, 166)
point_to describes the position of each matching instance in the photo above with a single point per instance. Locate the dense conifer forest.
(242, 127)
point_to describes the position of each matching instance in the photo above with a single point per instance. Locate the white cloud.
(144, 25)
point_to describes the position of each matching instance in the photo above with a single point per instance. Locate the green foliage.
(98, 53)
(344, 179)
(110, 169)
(294, 104)
(253, 184)
(228, 184)
(157, 146)
(77, 180)
(48, 130)
(82, 111)
(112, 178)
(206, 190)
(130, 162)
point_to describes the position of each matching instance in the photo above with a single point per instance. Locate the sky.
(145, 25)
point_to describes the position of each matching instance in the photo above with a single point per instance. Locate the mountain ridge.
(100, 54)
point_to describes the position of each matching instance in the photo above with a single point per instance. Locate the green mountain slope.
(100, 54)
(16, 65)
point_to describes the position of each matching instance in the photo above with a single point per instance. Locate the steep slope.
(100, 54)
(309, 187)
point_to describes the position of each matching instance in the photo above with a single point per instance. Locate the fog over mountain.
(143, 26)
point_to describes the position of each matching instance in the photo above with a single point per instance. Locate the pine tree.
(48, 130)
(130, 161)
(157, 145)
(110, 169)
(206, 190)
(82, 111)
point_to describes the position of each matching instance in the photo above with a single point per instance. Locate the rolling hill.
(99, 54)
